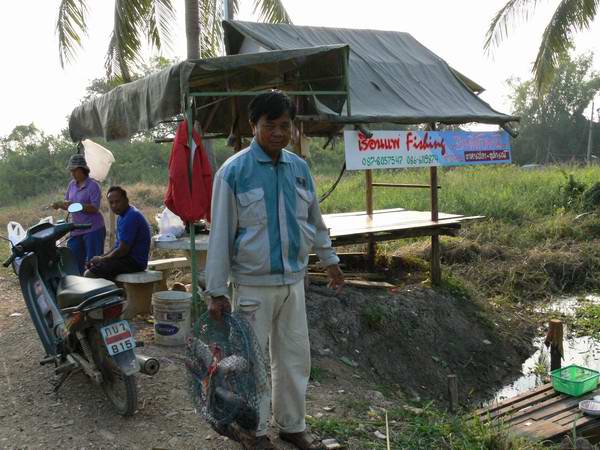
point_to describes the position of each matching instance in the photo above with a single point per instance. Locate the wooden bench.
(139, 287)
(165, 266)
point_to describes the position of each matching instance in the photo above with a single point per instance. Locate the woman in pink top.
(85, 244)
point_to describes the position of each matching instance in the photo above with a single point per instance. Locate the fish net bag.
(227, 374)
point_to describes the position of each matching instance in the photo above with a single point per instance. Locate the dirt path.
(78, 416)
(364, 342)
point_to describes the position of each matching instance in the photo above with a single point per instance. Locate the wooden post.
(436, 268)
(300, 144)
(453, 393)
(112, 219)
(554, 340)
(372, 246)
(236, 121)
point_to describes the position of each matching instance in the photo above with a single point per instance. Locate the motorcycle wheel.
(120, 389)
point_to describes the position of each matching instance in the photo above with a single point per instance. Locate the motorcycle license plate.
(118, 337)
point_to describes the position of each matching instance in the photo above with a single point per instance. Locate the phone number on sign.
(397, 160)
(379, 161)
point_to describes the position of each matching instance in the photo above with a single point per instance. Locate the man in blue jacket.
(265, 222)
(132, 247)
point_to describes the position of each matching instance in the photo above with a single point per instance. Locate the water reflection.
(583, 351)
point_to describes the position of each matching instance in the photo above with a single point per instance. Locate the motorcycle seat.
(73, 290)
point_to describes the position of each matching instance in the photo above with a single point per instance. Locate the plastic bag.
(16, 233)
(170, 226)
(98, 158)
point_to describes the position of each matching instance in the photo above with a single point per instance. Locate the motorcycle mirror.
(75, 208)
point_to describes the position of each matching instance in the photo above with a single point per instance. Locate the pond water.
(583, 351)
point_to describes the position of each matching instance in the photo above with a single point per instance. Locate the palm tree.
(136, 20)
(570, 16)
(211, 32)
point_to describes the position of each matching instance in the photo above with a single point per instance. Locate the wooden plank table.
(543, 414)
(183, 243)
(388, 224)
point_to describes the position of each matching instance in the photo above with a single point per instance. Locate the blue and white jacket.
(265, 221)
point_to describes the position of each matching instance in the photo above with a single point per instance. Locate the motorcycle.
(77, 319)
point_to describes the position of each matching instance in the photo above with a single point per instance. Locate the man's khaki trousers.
(278, 317)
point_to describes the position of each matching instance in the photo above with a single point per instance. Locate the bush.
(591, 197)
(571, 193)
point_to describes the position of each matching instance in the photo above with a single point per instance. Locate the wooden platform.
(389, 224)
(543, 414)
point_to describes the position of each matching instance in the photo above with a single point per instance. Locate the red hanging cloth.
(194, 205)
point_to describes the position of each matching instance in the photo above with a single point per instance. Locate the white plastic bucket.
(172, 316)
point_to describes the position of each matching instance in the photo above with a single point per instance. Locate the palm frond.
(511, 11)
(211, 31)
(124, 49)
(70, 26)
(160, 15)
(273, 11)
(570, 16)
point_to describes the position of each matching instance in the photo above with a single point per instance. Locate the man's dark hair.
(118, 189)
(272, 104)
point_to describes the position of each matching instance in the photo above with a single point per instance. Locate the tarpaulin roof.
(393, 78)
(142, 104)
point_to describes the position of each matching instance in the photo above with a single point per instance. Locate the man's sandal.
(247, 440)
(264, 443)
(303, 440)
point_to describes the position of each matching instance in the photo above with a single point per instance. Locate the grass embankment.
(419, 428)
(531, 245)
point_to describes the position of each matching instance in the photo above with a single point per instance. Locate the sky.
(35, 89)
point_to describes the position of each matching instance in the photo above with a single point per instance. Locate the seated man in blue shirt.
(130, 253)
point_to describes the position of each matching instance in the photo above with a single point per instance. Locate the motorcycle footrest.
(68, 366)
(49, 359)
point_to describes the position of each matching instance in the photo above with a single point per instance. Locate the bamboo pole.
(372, 245)
(189, 115)
(403, 185)
(436, 267)
(112, 220)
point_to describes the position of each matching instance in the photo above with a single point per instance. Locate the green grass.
(587, 321)
(373, 315)
(318, 374)
(411, 429)
(507, 193)
(529, 243)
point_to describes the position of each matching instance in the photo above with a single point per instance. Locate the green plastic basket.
(574, 380)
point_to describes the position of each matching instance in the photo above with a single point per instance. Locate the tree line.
(553, 129)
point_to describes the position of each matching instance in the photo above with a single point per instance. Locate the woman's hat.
(77, 161)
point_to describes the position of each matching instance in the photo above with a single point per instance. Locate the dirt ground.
(382, 347)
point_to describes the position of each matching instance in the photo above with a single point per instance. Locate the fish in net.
(227, 375)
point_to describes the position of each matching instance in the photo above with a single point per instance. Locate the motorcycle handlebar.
(82, 226)
(9, 261)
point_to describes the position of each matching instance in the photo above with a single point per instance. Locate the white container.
(172, 316)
